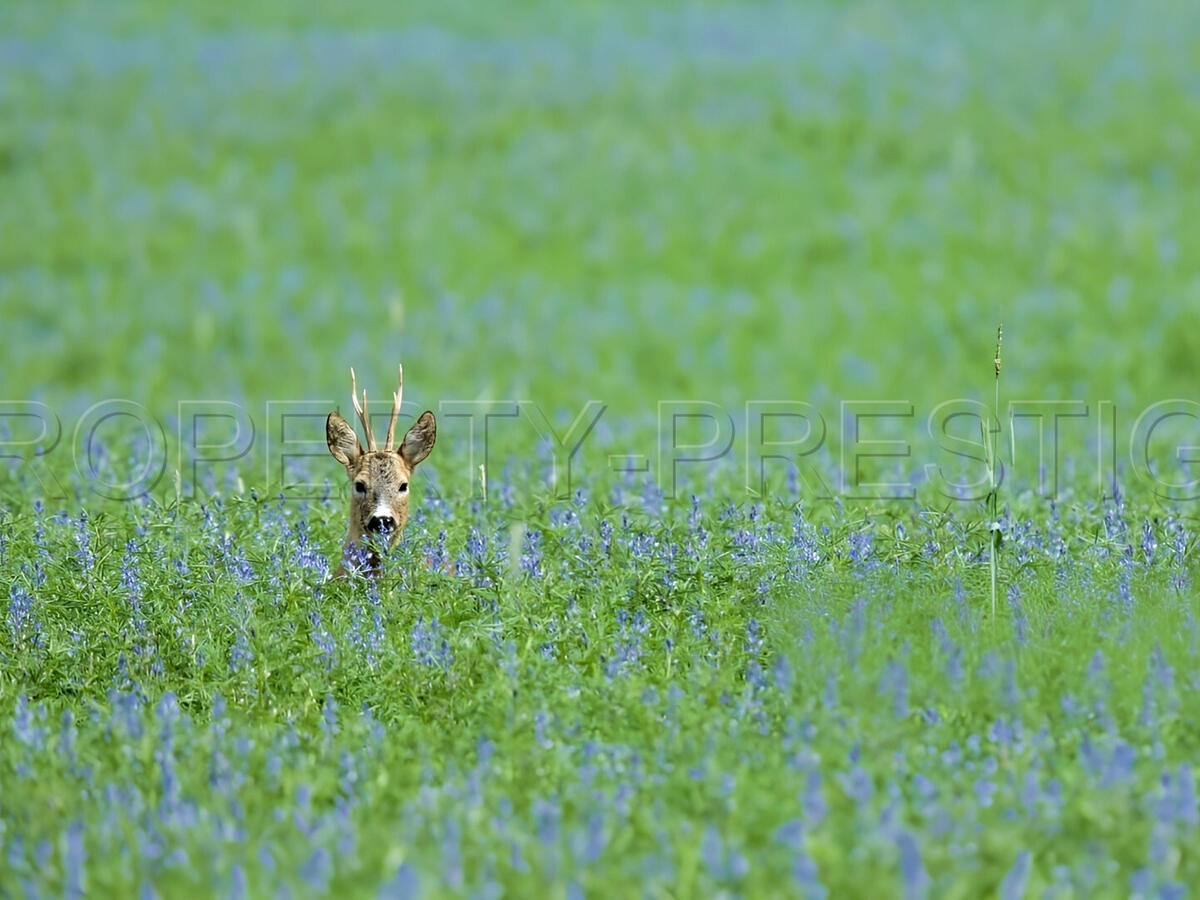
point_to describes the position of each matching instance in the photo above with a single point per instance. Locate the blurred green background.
(559, 202)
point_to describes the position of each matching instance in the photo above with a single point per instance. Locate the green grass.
(623, 692)
(637, 693)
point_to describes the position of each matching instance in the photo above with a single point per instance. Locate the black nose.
(380, 524)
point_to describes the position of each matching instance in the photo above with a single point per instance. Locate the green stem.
(993, 501)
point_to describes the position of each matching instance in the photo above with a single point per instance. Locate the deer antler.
(397, 397)
(361, 410)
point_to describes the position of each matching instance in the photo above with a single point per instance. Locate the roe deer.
(379, 500)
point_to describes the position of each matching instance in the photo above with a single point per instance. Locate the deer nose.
(381, 524)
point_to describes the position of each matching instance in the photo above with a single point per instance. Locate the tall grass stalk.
(993, 497)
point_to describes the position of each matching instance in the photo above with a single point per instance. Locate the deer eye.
(360, 487)
(403, 486)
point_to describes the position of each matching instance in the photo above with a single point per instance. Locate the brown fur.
(379, 480)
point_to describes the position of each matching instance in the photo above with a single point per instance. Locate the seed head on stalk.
(993, 498)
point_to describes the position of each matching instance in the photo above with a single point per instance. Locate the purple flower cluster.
(430, 646)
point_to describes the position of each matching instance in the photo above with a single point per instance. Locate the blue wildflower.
(912, 870)
(429, 644)
(74, 857)
(1013, 885)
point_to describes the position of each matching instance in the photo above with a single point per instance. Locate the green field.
(748, 678)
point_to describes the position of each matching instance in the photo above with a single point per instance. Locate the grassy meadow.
(607, 242)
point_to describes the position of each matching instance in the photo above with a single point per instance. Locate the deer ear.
(342, 441)
(419, 440)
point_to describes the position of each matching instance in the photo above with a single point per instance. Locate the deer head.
(379, 478)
